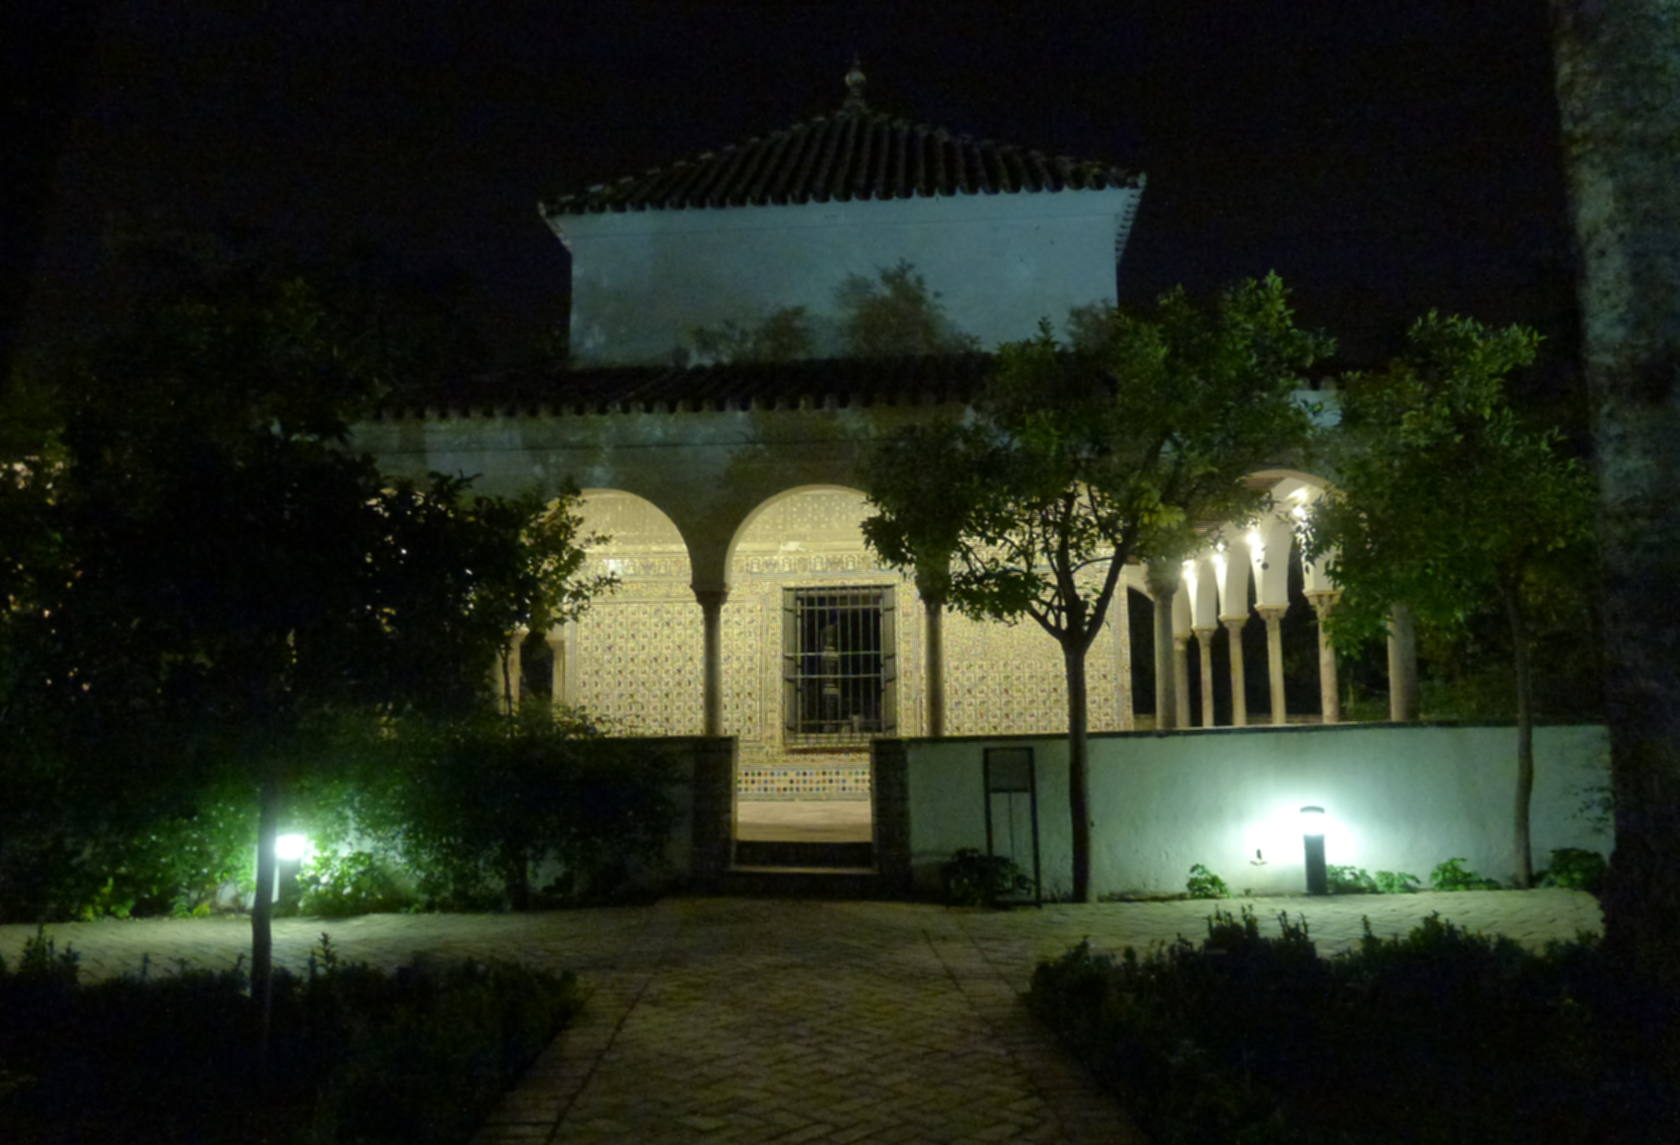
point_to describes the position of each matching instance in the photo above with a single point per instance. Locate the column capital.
(1204, 632)
(1234, 623)
(711, 596)
(1271, 613)
(1323, 598)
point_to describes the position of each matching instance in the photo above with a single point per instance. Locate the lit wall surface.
(1398, 798)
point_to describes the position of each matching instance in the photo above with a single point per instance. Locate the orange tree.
(208, 579)
(1446, 501)
(1076, 460)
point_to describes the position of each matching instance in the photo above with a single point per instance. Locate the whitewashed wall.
(641, 280)
(1398, 798)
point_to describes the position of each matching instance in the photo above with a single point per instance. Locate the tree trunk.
(1522, 660)
(1079, 784)
(1618, 78)
(1402, 666)
(262, 913)
(934, 659)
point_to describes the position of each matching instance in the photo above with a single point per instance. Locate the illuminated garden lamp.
(292, 848)
(1312, 837)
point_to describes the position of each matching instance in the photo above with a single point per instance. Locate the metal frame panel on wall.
(1011, 787)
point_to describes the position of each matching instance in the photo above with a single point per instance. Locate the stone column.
(1402, 666)
(1204, 644)
(507, 671)
(1166, 691)
(1329, 689)
(556, 640)
(1239, 681)
(711, 666)
(1120, 619)
(1272, 614)
(933, 669)
(1181, 679)
(1163, 584)
(516, 665)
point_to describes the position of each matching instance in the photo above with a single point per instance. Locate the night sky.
(1383, 158)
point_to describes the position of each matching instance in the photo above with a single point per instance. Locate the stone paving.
(737, 1020)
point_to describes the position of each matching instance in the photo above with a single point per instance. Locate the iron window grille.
(838, 665)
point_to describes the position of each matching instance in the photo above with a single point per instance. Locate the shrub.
(1204, 884)
(973, 879)
(337, 885)
(66, 853)
(358, 1055)
(1455, 1036)
(1453, 875)
(1350, 880)
(479, 806)
(1396, 882)
(1345, 880)
(1576, 869)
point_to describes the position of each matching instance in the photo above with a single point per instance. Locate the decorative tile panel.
(636, 654)
(813, 776)
(637, 664)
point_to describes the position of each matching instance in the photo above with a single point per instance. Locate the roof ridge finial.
(855, 81)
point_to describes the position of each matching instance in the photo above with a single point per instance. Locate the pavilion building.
(727, 482)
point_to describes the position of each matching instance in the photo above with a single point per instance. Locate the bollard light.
(1312, 839)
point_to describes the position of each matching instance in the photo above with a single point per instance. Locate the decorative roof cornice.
(854, 154)
(815, 384)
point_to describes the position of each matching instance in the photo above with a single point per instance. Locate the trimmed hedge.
(1440, 1036)
(419, 1056)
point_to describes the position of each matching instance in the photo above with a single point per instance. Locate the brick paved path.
(720, 1020)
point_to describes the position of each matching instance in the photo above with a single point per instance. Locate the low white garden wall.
(1397, 797)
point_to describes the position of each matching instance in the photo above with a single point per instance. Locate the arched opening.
(632, 659)
(817, 639)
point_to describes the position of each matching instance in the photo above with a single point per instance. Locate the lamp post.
(290, 850)
(1312, 838)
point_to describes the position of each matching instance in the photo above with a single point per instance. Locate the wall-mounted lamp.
(1312, 838)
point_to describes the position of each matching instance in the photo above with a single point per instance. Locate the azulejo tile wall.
(810, 777)
(635, 656)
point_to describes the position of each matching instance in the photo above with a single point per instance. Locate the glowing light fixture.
(1312, 839)
(292, 848)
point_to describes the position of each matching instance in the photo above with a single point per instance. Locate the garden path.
(736, 1020)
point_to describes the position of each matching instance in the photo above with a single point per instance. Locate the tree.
(1445, 500)
(891, 315)
(895, 315)
(222, 582)
(1129, 446)
(1618, 81)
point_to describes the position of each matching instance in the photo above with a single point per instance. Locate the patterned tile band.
(823, 781)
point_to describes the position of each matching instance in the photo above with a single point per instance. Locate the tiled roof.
(832, 383)
(852, 154)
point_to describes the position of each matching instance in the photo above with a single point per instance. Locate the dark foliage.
(973, 879)
(478, 809)
(360, 1055)
(1440, 1036)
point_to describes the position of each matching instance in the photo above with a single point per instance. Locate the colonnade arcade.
(806, 648)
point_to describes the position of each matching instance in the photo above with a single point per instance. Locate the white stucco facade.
(643, 280)
(1398, 798)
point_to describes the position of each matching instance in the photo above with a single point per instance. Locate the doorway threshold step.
(803, 882)
(779, 853)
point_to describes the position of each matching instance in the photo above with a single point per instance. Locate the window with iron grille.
(837, 664)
